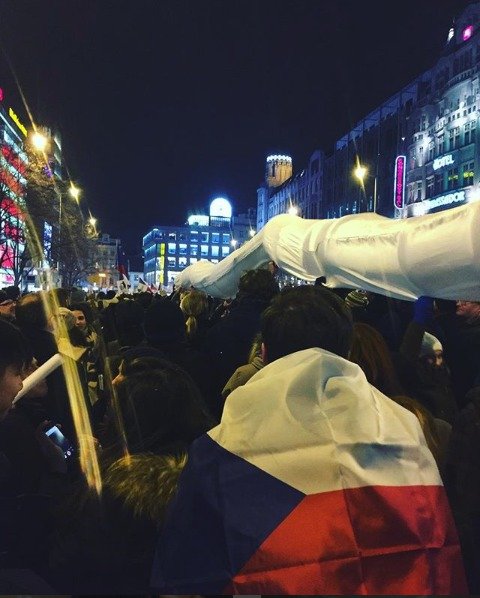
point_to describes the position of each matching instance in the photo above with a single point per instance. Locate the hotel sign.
(426, 206)
(443, 161)
(399, 183)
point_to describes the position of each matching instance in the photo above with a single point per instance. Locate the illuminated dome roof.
(221, 207)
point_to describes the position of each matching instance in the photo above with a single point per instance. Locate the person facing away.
(105, 545)
(314, 482)
(227, 343)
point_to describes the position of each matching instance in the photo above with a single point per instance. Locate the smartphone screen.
(60, 440)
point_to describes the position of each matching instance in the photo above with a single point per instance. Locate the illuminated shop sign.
(444, 200)
(399, 184)
(16, 120)
(1, 94)
(467, 33)
(443, 161)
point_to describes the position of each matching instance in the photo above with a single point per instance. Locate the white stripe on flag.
(359, 436)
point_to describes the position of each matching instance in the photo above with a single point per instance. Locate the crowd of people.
(161, 375)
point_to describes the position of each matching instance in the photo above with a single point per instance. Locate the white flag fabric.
(436, 255)
(142, 286)
(313, 483)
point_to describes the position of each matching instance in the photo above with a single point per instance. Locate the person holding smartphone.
(26, 518)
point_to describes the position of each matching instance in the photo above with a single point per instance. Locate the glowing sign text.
(443, 161)
(467, 33)
(426, 206)
(16, 120)
(399, 184)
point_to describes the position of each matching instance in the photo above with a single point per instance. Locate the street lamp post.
(361, 172)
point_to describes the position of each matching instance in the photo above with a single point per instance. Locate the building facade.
(284, 192)
(13, 164)
(105, 263)
(417, 153)
(168, 250)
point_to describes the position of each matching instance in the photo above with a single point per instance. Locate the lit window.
(204, 250)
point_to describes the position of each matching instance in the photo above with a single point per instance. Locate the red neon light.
(7, 256)
(13, 159)
(11, 182)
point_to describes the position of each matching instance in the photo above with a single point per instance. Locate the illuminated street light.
(234, 243)
(251, 232)
(92, 221)
(39, 141)
(360, 172)
(74, 192)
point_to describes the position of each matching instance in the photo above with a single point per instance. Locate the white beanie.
(430, 344)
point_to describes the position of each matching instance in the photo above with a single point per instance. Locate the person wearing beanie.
(432, 349)
(421, 367)
(357, 298)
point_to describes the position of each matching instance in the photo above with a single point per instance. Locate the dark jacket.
(227, 344)
(431, 386)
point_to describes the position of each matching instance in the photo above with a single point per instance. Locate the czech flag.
(313, 483)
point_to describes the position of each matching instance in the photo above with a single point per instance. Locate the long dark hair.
(370, 351)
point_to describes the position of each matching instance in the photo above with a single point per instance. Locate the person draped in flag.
(314, 482)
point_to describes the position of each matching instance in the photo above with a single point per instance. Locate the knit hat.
(430, 344)
(164, 322)
(357, 298)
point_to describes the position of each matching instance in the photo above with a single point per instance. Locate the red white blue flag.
(313, 483)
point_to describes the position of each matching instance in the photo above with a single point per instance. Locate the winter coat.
(242, 375)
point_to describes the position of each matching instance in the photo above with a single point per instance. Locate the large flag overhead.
(437, 255)
(313, 483)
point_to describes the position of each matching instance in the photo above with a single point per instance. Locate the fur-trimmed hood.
(145, 482)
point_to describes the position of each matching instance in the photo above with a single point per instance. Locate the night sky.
(164, 105)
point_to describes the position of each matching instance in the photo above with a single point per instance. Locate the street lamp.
(251, 232)
(39, 141)
(74, 192)
(234, 243)
(361, 172)
(92, 221)
(293, 210)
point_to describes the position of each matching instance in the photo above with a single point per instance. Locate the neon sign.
(16, 120)
(1, 94)
(443, 161)
(399, 184)
(456, 197)
(467, 33)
